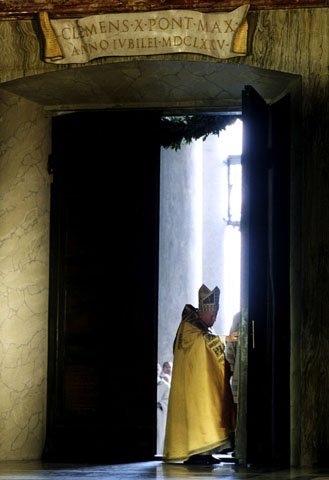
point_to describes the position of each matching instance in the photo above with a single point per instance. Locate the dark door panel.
(264, 401)
(103, 287)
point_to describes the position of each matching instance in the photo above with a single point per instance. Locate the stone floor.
(150, 470)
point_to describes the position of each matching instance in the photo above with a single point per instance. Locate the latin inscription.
(148, 33)
(202, 44)
(151, 25)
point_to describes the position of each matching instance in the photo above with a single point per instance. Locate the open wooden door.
(264, 341)
(103, 287)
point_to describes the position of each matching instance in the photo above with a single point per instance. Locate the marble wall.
(24, 271)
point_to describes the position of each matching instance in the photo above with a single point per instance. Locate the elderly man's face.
(209, 318)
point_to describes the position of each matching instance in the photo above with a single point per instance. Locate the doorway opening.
(199, 235)
(72, 404)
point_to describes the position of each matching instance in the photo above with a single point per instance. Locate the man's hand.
(234, 337)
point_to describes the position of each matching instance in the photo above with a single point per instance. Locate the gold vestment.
(201, 413)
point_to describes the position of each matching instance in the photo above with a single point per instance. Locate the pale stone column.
(24, 276)
(180, 260)
(214, 215)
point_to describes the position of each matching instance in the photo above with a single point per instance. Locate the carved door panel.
(103, 287)
(264, 339)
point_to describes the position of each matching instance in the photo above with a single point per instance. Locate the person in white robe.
(163, 388)
(232, 355)
(166, 372)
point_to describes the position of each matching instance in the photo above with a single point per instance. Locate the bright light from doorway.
(232, 247)
(231, 139)
(231, 145)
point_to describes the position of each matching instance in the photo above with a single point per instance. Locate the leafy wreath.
(185, 129)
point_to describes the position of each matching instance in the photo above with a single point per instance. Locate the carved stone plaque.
(220, 35)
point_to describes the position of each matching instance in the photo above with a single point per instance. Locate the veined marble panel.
(24, 271)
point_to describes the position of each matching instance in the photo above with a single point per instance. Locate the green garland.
(185, 129)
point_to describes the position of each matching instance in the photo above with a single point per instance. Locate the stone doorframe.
(27, 105)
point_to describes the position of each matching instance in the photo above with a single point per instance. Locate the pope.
(201, 415)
